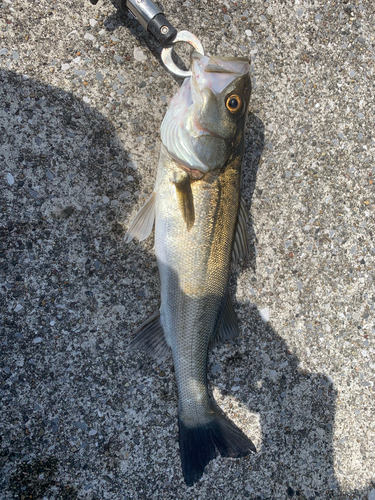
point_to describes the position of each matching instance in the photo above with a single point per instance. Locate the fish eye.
(234, 103)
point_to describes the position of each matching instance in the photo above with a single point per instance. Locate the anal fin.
(142, 224)
(149, 337)
(228, 327)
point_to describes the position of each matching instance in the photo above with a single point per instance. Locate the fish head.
(206, 119)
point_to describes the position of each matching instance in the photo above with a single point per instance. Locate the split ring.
(166, 53)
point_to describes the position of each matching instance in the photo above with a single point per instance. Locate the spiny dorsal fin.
(185, 200)
(141, 225)
(149, 337)
(228, 328)
(241, 248)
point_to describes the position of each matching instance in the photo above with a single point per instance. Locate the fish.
(200, 228)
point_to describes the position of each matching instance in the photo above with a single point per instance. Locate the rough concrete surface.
(82, 96)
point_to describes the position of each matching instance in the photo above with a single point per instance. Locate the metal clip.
(166, 53)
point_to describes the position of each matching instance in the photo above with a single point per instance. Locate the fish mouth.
(210, 133)
(207, 132)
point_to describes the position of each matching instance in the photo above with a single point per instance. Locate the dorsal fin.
(228, 328)
(241, 247)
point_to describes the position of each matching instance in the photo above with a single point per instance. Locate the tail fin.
(199, 445)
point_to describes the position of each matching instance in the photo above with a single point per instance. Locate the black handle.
(162, 30)
(150, 17)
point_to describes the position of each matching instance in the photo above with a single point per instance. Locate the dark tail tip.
(198, 445)
(197, 449)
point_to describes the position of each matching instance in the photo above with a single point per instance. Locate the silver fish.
(200, 226)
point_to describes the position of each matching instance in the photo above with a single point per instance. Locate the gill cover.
(208, 114)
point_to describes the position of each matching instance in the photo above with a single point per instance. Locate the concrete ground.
(82, 96)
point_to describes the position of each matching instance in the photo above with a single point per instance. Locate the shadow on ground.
(70, 295)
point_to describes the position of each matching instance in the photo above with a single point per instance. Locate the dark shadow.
(70, 421)
(296, 412)
(253, 152)
(63, 157)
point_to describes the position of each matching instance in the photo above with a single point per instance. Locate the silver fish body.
(196, 206)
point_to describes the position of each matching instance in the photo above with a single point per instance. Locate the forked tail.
(200, 444)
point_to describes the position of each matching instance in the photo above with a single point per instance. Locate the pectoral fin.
(241, 248)
(228, 327)
(185, 200)
(141, 225)
(149, 337)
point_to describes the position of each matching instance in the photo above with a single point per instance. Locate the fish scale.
(198, 224)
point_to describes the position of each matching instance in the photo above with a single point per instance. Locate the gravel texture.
(82, 95)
